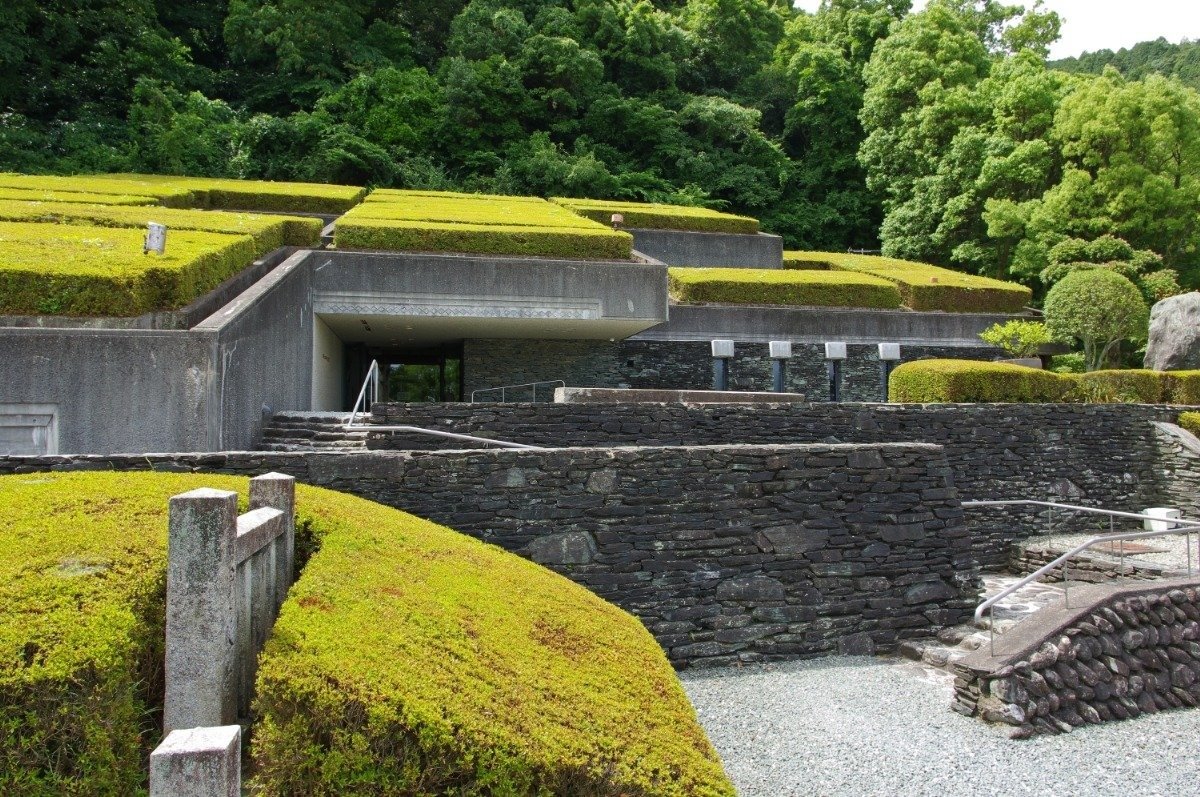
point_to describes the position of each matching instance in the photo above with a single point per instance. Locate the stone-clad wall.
(726, 553)
(1092, 454)
(679, 365)
(1131, 652)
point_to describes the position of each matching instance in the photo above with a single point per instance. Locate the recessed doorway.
(430, 373)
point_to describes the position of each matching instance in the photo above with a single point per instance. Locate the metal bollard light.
(835, 354)
(722, 352)
(781, 352)
(889, 356)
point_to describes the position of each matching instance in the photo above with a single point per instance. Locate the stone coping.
(605, 395)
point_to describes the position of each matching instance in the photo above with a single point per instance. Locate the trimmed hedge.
(62, 197)
(1124, 387)
(644, 215)
(498, 211)
(925, 287)
(428, 236)
(403, 195)
(1190, 421)
(269, 232)
(776, 287)
(796, 261)
(64, 269)
(82, 586)
(258, 195)
(950, 381)
(410, 659)
(407, 659)
(158, 189)
(955, 381)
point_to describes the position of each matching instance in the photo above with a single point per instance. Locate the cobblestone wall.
(726, 553)
(1091, 454)
(1134, 652)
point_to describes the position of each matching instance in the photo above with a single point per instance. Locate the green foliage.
(925, 287)
(260, 195)
(778, 287)
(1125, 387)
(82, 590)
(269, 232)
(540, 687)
(1190, 421)
(1099, 308)
(1183, 387)
(661, 217)
(1158, 57)
(1018, 338)
(465, 209)
(1070, 363)
(57, 197)
(1141, 267)
(483, 239)
(954, 381)
(63, 269)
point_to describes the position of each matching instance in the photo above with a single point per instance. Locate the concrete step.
(311, 431)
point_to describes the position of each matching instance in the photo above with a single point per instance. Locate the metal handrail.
(503, 388)
(1177, 527)
(369, 394)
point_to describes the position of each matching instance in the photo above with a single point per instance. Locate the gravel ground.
(862, 726)
(1170, 551)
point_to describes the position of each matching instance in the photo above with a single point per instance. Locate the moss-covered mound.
(643, 215)
(953, 381)
(411, 659)
(82, 584)
(64, 269)
(269, 232)
(924, 287)
(408, 659)
(464, 209)
(781, 287)
(481, 239)
(99, 189)
(259, 195)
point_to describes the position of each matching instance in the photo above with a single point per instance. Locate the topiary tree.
(1100, 308)
(1017, 338)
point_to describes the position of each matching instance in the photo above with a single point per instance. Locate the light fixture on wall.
(889, 357)
(781, 352)
(722, 352)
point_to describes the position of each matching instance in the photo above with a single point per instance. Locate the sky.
(1090, 25)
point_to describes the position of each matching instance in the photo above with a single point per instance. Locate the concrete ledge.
(680, 248)
(604, 395)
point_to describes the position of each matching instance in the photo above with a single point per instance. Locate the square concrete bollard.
(198, 762)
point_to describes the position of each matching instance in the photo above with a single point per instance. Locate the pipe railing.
(1181, 525)
(504, 388)
(369, 394)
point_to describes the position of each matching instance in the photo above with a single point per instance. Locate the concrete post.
(722, 352)
(198, 762)
(835, 354)
(278, 491)
(201, 685)
(781, 352)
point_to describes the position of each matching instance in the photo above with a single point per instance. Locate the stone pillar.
(198, 762)
(278, 491)
(201, 685)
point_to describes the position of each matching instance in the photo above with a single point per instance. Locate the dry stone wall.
(1130, 652)
(1092, 454)
(726, 553)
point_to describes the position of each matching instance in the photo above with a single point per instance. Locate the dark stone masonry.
(1125, 653)
(1105, 455)
(727, 553)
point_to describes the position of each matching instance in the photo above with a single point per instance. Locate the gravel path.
(863, 727)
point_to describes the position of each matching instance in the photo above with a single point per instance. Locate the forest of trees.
(941, 135)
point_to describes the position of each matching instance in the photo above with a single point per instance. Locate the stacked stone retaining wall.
(726, 553)
(1101, 455)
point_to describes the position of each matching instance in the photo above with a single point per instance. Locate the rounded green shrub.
(1099, 308)
(1190, 421)
(955, 381)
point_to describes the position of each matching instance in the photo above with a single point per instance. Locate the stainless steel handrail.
(1179, 526)
(503, 388)
(369, 394)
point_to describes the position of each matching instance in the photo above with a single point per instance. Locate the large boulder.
(1175, 334)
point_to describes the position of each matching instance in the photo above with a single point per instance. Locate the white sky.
(1090, 25)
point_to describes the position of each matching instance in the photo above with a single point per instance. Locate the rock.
(1175, 334)
(751, 588)
(856, 645)
(568, 548)
(928, 592)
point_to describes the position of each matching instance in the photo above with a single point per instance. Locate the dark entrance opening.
(425, 373)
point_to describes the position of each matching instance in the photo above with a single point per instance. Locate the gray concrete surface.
(603, 395)
(198, 762)
(862, 727)
(679, 248)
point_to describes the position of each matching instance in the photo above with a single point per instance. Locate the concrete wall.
(1093, 454)
(726, 553)
(114, 390)
(678, 248)
(264, 354)
(328, 364)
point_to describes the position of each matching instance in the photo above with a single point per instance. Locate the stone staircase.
(311, 431)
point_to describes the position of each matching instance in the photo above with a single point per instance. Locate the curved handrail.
(371, 383)
(1179, 525)
(503, 388)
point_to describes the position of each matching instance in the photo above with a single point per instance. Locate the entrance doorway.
(431, 373)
